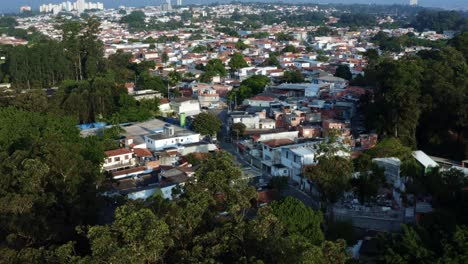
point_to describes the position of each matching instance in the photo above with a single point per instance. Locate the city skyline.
(449, 4)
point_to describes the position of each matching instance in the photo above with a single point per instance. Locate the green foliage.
(397, 100)
(8, 22)
(367, 184)
(341, 230)
(293, 76)
(357, 20)
(322, 58)
(216, 67)
(135, 20)
(47, 172)
(460, 43)
(237, 62)
(136, 235)
(283, 37)
(439, 20)
(396, 44)
(272, 60)
(87, 100)
(344, 72)
(331, 175)
(207, 124)
(228, 31)
(300, 221)
(249, 87)
(289, 48)
(323, 31)
(259, 35)
(332, 172)
(199, 49)
(238, 129)
(241, 45)
(278, 182)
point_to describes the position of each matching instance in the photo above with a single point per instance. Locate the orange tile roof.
(117, 152)
(274, 143)
(142, 152)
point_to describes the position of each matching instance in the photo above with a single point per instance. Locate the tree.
(278, 182)
(299, 220)
(199, 49)
(241, 45)
(207, 124)
(164, 57)
(135, 20)
(293, 76)
(48, 172)
(216, 66)
(331, 175)
(290, 48)
(238, 129)
(174, 77)
(237, 62)
(135, 235)
(397, 106)
(333, 170)
(344, 72)
(284, 37)
(367, 184)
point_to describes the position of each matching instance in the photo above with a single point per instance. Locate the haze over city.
(13, 6)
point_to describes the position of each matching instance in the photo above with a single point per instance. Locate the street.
(230, 147)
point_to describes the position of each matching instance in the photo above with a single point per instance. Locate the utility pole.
(167, 89)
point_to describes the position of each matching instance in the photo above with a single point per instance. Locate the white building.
(189, 107)
(118, 159)
(256, 121)
(168, 138)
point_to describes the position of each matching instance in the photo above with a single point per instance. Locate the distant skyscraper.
(179, 2)
(80, 6)
(167, 6)
(413, 2)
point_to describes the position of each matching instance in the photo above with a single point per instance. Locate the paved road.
(229, 147)
(300, 195)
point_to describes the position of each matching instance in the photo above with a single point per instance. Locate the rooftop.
(274, 143)
(117, 152)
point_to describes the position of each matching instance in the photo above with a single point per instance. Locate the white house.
(188, 106)
(170, 139)
(256, 121)
(260, 101)
(118, 159)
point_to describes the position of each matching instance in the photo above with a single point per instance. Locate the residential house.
(118, 159)
(169, 138)
(188, 106)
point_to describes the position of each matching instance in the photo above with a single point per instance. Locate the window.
(287, 154)
(109, 160)
(116, 159)
(126, 157)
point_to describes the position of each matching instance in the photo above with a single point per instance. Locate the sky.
(13, 5)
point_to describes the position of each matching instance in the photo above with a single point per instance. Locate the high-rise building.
(167, 6)
(413, 2)
(179, 2)
(25, 9)
(80, 6)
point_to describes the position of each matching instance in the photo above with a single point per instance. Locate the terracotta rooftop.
(142, 152)
(274, 143)
(117, 152)
(262, 98)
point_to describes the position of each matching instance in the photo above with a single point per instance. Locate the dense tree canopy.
(49, 177)
(207, 124)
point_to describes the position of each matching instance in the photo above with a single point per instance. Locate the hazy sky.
(13, 5)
